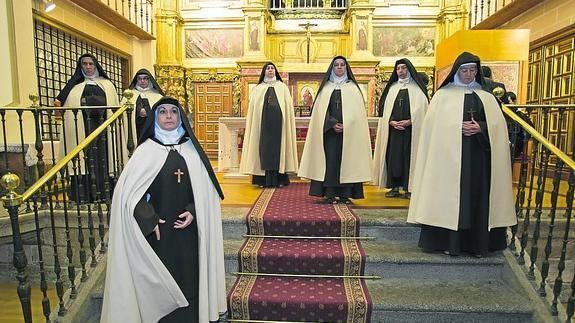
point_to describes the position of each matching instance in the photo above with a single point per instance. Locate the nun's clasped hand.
(187, 219)
(470, 128)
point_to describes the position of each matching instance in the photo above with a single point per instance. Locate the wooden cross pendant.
(179, 173)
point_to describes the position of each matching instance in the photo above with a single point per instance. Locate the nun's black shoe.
(393, 193)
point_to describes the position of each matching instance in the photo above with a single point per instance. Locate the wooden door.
(212, 101)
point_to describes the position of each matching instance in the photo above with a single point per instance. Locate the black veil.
(327, 75)
(78, 77)
(148, 132)
(263, 72)
(465, 58)
(144, 71)
(394, 78)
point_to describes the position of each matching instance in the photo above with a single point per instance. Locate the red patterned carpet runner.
(283, 274)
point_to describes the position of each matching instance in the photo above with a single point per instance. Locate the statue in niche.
(362, 37)
(254, 35)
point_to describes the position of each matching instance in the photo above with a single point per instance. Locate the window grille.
(56, 54)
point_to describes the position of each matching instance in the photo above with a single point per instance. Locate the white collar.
(405, 81)
(338, 80)
(141, 89)
(168, 137)
(468, 87)
(91, 78)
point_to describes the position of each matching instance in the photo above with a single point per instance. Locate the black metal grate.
(56, 55)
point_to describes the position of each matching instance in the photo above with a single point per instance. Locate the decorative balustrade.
(66, 210)
(139, 12)
(134, 17)
(278, 5)
(479, 10)
(543, 239)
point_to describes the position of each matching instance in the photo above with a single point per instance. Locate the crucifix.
(471, 111)
(307, 27)
(179, 173)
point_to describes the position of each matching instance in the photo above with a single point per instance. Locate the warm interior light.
(48, 5)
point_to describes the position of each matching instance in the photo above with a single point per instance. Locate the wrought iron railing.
(66, 209)
(542, 240)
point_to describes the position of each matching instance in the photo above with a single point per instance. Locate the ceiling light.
(48, 5)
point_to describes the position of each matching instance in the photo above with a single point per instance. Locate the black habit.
(270, 143)
(141, 103)
(332, 146)
(472, 235)
(168, 196)
(82, 190)
(398, 153)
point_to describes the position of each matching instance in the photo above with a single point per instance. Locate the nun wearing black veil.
(269, 151)
(402, 109)
(337, 152)
(146, 93)
(88, 86)
(165, 256)
(462, 189)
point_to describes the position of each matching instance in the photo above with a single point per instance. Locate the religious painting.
(361, 37)
(254, 36)
(503, 72)
(306, 92)
(307, 96)
(506, 73)
(214, 43)
(404, 41)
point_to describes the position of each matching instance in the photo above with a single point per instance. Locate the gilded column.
(452, 18)
(169, 51)
(169, 33)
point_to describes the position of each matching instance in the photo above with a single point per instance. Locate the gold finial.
(35, 98)
(10, 182)
(128, 94)
(499, 92)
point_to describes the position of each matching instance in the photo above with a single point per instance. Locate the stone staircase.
(414, 286)
(417, 286)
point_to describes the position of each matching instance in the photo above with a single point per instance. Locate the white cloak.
(436, 185)
(250, 162)
(152, 95)
(417, 107)
(73, 100)
(139, 288)
(356, 151)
